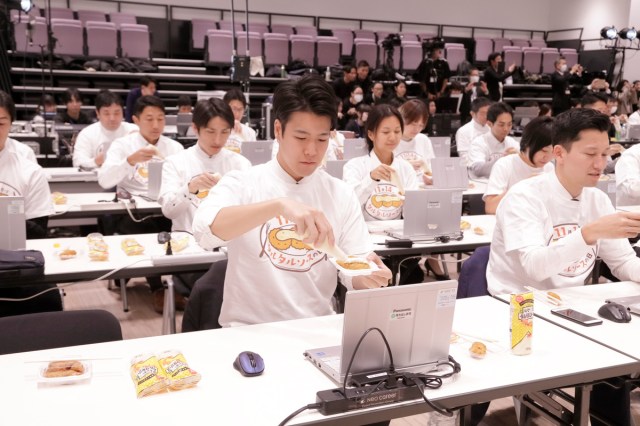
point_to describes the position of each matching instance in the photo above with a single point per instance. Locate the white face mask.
(474, 78)
(563, 68)
(357, 98)
(613, 110)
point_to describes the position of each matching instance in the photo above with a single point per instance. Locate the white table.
(72, 180)
(94, 204)
(289, 381)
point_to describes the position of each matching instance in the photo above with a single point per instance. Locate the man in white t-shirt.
(474, 128)
(486, 149)
(241, 132)
(628, 177)
(551, 228)
(93, 141)
(270, 215)
(534, 158)
(415, 147)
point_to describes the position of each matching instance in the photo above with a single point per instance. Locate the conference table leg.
(169, 312)
(123, 294)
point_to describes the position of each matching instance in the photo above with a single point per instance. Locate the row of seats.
(536, 60)
(485, 46)
(81, 15)
(99, 39)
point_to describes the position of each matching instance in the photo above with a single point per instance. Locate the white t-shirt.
(379, 200)
(485, 150)
(466, 134)
(20, 177)
(94, 139)
(628, 177)
(634, 118)
(537, 239)
(116, 170)
(234, 143)
(272, 276)
(177, 203)
(22, 149)
(418, 148)
(508, 171)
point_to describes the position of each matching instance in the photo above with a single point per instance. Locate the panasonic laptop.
(354, 148)
(13, 227)
(416, 320)
(257, 152)
(155, 179)
(429, 214)
(450, 173)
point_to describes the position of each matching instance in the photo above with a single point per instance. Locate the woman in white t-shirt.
(380, 178)
(240, 132)
(415, 147)
(534, 158)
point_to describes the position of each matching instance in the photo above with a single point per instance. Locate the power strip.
(187, 258)
(332, 401)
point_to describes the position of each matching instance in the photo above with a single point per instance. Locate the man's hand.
(377, 279)
(237, 127)
(483, 87)
(310, 223)
(512, 67)
(615, 148)
(142, 155)
(99, 159)
(382, 172)
(416, 164)
(427, 180)
(617, 225)
(510, 151)
(202, 182)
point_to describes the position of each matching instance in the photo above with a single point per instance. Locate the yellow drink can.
(521, 327)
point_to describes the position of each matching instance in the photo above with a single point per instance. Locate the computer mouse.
(249, 364)
(614, 312)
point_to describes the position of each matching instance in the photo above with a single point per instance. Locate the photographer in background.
(433, 73)
(493, 76)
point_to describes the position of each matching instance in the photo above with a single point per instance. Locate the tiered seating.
(549, 56)
(512, 55)
(455, 54)
(500, 43)
(365, 34)
(306, 30)
(135, 41)
(38, 34)
(59, 13)
(255, 43)
(531, 59)
(484, 47)
(102, 39)
(258, 27)
(411, 55)
(69, 34)
(345, 37)
(282, 29)
(396, 56)
(276, 49)
(571, 55)
(218, 47)
(520, 43)
(302, 47)
(367, 50)
(91, 15)
(199, 29)
(328, 51)
(538, 43)
(228, 25)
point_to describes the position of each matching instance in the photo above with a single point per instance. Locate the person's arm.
(83, 155)
(119, 164)
(481, 167)
(491, 202)
(175, 197)
(359, 178)
(497, 186)
(628, 176)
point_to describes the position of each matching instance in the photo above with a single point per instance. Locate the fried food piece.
(58, 198)
(478, 231)
(353, 264)
(67, 254)
(464, 225)
(64, 369)
(478, 350)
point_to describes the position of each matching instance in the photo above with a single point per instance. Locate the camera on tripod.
(430, 44)
(390, 41)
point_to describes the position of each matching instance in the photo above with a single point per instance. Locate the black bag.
(18, 264)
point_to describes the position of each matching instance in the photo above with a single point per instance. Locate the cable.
(126, 206)
(434, 381)
(353, 356)
(298, 411)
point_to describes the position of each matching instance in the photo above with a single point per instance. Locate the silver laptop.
(416, 320)
(257, 152)
(13, 226)
(441, 146)
(450, 173)
(608, 186)
(634, 132)
(430, 214)
(335, 168)
(354, 148)
(183, 122)
(632, 303)
(155, 179)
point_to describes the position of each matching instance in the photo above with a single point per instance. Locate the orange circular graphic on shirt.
(384, 203)
(281, 245)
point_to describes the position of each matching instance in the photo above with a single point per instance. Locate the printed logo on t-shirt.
(7, 190)
(141, 173)
(581, 266)
(410, 156)
(280, 243)
(495, 156)
(384, 203)
(234, 143)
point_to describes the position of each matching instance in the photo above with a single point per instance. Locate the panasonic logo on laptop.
(405, 313)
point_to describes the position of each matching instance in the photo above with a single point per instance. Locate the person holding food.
(281, 220)
(415, 147)
(380, 178)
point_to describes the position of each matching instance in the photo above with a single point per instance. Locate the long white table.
(289, 382)
(94, 204)
(72, 180)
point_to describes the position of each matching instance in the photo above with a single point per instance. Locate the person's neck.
(74, 115)
(498, 139)
(384, 157)
(286, 168)
(526, 159)
(573, 189)
(152, 142)
(2, 145)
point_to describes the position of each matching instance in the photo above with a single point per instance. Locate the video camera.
(391, 40)
(429, 44)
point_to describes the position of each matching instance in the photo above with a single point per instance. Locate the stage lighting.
(609, 33)
(628, 34)
(23, 5)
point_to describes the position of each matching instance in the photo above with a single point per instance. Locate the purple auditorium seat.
(199, 28)
(276, 49)
(426, 36)
(258, 27)
(328, 51)
(135, 41)
(381, 35)
(549, 56)
(520, 42)
(219, 47)
(91, 15)
(538, 43)
(70, 37)
(227, 25)
(484, 47)
(411, 55)
(282, 29)
(255, 43)
(407, 36)
(303, 48)
(59, 13)
(532, 59)
(38, 34)
(366, 34)
(367, 50)
(512, 55)
(120, 18)
(571, 55)
(500, 43)
(307, 30)
(455, 54)
(345, 36)
(102, 39)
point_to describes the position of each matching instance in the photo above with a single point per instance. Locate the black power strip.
(332, 401)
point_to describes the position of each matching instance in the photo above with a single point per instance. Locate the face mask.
(563, 68)
(613, 110)
(357, 98)
(474, 78)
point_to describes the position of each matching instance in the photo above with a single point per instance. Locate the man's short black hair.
(207, 109)
(70, 94)
(146, 80)
(496, 109)
(183, 100)
(347, 68)
(7, 103)
(235, 94)
(493, 56)
(377, 114)
(568, 125)
(147, 101)
(480, 102)
(363, 63)
(106, 98)
(592, 98)
(537, 135)
(308, 94)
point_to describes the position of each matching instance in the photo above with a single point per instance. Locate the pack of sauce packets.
(168, 370)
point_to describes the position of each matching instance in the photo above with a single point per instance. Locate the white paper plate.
(68, 380)
(355, 272)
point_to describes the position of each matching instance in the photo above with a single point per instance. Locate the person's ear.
(135, 119)
(277, 130)
(559, 153)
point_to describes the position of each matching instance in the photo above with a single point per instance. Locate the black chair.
(205, 301)
(47, 330)
(472, 281)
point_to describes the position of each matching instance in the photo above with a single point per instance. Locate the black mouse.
(249, 364)
(614, 312)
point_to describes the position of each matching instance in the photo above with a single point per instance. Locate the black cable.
(298, 411)
(353, 356)
(436, 407)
